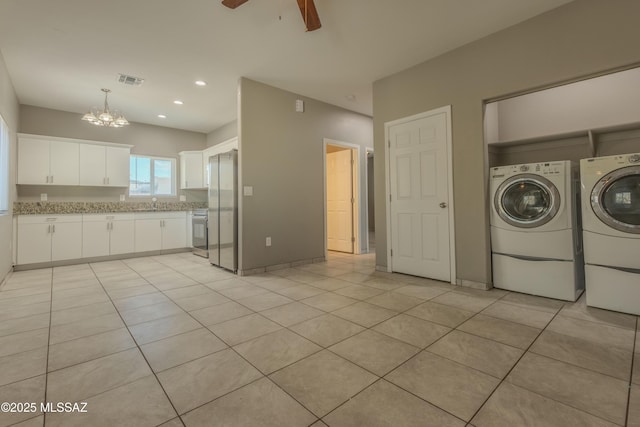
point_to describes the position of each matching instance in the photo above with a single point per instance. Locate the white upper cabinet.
(117, 166)
(92, 165)
(48, 162)
(104, 166)
(191, 170)
(60, 161)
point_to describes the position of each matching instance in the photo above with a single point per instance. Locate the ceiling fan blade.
(309, 14)
(233, 3)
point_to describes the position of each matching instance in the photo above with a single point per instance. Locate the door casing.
(357, 206)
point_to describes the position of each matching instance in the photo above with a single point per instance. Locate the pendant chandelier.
(105, 117)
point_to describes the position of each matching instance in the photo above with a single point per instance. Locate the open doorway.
(341, 197)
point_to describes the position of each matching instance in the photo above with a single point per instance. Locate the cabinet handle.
(108, 180)
(52, 179)
(49, 229)
(54, 228)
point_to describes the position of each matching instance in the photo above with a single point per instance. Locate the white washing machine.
(611, 230)
(536, 241)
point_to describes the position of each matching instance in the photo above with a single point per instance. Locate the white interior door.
(340, 201)
(419, 189)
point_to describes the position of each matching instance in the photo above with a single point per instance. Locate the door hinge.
(389, 143)
(353, 240)
(353, 200)
(391, 252)
(389, 197)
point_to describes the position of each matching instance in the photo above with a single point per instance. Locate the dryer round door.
(615, 199)
(527, 201)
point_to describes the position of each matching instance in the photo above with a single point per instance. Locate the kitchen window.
(4, 167)
(152, 176)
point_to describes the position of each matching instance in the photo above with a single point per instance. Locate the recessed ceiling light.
(200, 83)
(178, 102)
(162, 116)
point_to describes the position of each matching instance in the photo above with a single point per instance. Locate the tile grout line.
(46, 367)
(137, 346)
(514, 366)
(401, 364)
(547, 397)
(322, 348)
(633, 358)
(239, 355)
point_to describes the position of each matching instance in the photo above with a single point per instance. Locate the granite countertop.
(50, 208)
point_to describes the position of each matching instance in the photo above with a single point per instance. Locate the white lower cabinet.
(46, 238)
(104, 235)
(160, 230)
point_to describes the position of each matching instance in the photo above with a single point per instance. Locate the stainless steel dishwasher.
(200, 233)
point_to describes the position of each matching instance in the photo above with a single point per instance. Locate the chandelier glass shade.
(106, 117)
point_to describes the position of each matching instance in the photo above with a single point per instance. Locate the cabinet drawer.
(43, 219)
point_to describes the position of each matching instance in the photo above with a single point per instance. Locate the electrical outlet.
(122, 197)
(183, 198)
(43, 197)
(268, 242)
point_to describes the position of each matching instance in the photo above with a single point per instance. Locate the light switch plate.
(43, 197)
(268, 241)
(248, 190)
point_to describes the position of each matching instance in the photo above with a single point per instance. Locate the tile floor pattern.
(172, 341)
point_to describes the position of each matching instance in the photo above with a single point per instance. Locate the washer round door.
(615, 199)
(527, 201)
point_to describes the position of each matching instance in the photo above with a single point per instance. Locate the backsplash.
(49, 208)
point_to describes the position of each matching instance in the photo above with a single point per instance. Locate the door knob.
(443, 205)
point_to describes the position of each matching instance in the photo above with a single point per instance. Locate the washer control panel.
(546, 168)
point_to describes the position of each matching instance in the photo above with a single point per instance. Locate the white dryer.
(611, 224)
(536, 242)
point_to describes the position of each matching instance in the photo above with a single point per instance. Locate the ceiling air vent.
(130, 80)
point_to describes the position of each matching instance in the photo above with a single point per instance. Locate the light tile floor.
(172, 341)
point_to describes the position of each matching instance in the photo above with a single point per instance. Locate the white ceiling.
(59, 53)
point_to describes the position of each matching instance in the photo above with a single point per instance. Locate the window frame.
(152, 176)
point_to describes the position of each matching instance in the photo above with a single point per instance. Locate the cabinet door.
(148, 235)
(117, 166)
(64, 163)
(92, 165)
(122, 241)
(174, 233)
(34, 243)
(66, 241)
(33, 161)
(95, 238)
(205, 165)
(191, 170)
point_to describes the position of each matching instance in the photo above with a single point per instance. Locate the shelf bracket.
(593, 149)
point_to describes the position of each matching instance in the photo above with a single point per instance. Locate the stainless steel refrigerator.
(223, 210)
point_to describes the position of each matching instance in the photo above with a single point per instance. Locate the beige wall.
(146, 139)
(580, 39)
(9, 110)
(281, 156)
(223, 133)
